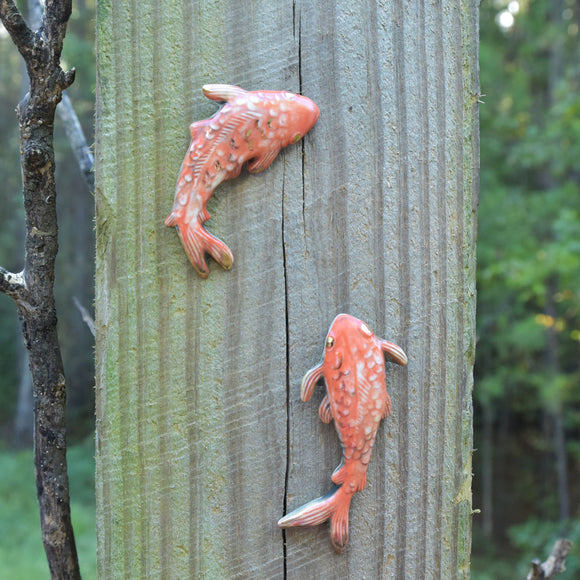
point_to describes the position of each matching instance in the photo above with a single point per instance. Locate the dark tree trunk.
(33, 288)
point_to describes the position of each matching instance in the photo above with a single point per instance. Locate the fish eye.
(329, 342)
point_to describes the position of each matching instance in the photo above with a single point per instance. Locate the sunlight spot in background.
(505, 19)
(3, 31)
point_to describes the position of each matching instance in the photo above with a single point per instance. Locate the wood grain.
(203, 442)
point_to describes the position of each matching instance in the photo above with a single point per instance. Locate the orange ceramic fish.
(251, 127)
(356, 398)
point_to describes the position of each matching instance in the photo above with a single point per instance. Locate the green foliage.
(527, 368)
(21, 551)
(535, 539)
(531, 540)
(529, 216)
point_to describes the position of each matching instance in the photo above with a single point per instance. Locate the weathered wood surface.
(202, 440)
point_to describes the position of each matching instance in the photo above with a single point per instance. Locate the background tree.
(74, 264)
(32, 289)
(527, 369)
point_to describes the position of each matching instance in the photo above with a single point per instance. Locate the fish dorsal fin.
(219, 132)
(223, 92)
(198, 128)
(363, 389)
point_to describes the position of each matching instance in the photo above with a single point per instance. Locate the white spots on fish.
(365, 330)
(188, 178)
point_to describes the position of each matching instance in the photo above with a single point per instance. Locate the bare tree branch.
(78, 141)
(16, 26)
(13, 285)
(41, 51)
(68, 116)
(87, 318)
(555, 564)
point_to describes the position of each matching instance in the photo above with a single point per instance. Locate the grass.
(21, 553)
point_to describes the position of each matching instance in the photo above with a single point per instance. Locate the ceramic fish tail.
(356, 400)
(251, 127)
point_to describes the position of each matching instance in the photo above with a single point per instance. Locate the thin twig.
(16, 26)
(87, 318)
(13, 284)
(77, 140)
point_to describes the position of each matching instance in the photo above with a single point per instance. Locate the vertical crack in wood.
(286, 326)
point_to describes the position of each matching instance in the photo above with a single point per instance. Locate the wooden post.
(202, 440)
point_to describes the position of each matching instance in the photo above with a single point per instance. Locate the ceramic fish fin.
(222, 92)
(388, 408)
(314, 512)
(261, 163)
(325, 411)
(333, 505)
(393, 352)
(172, 219)
(339, 527)
(309, 382)
(198, 128)
(363, 390)
(339, 474)
(197, 242)
(227, 131)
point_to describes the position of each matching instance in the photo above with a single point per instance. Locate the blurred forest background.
(527, 376)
